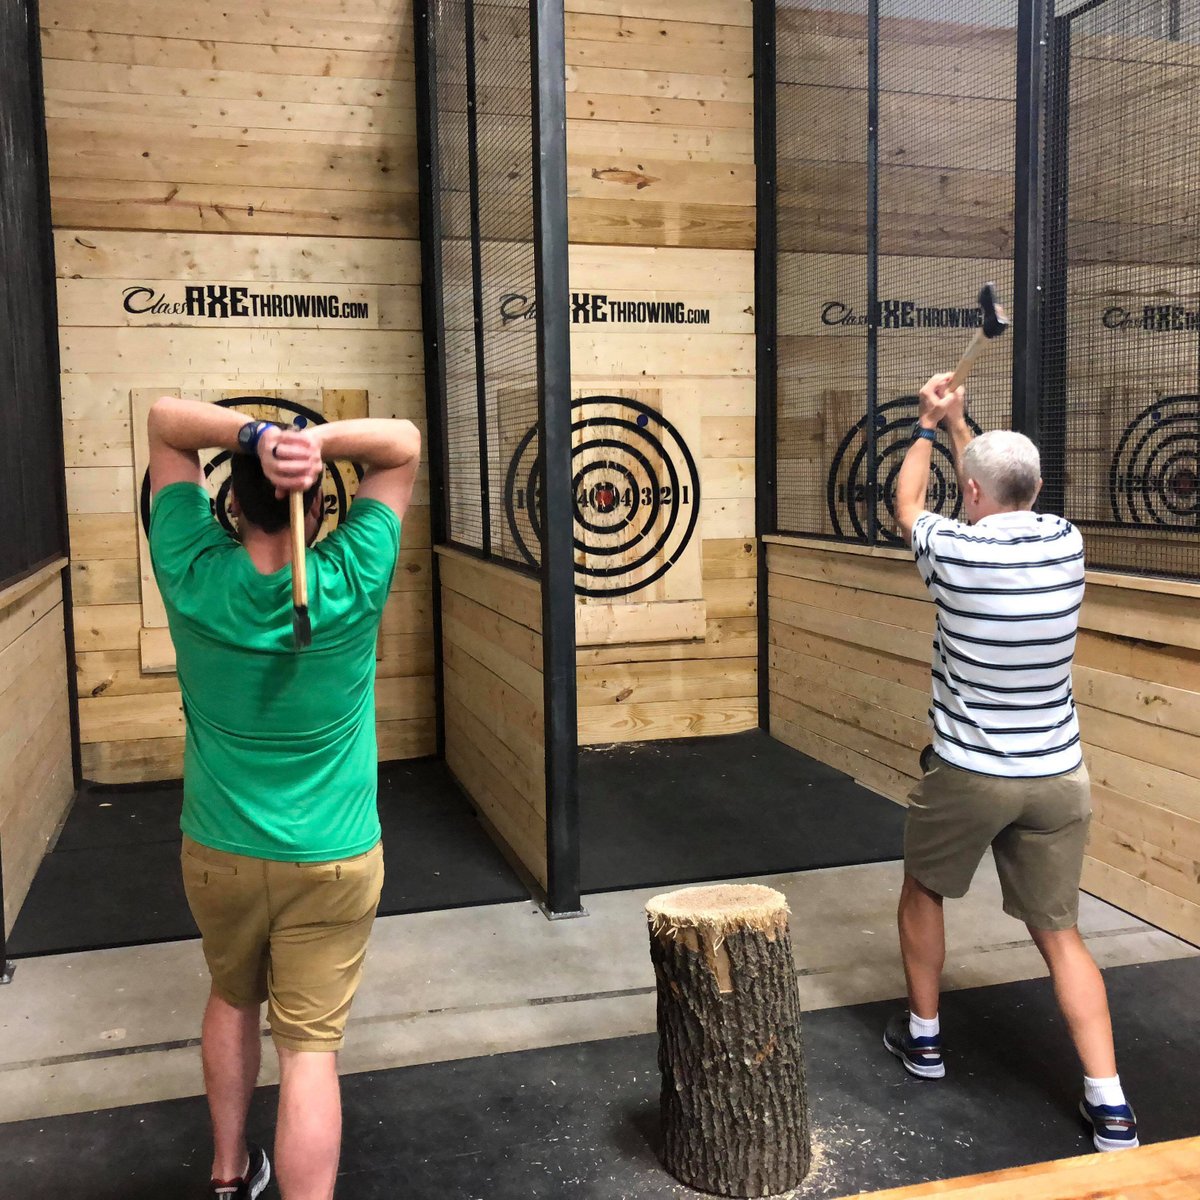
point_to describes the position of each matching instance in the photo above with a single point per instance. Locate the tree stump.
(734, 1112)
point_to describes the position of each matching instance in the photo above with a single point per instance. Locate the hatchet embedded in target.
(995, 324)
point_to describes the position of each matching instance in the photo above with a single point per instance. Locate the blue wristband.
(919, 431)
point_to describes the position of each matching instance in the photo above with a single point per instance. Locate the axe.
(995, 324)
(301, 625)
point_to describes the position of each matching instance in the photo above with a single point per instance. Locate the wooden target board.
(637, 492)
(846, 492)
(299, 407)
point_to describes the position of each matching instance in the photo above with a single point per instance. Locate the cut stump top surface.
(720, 908)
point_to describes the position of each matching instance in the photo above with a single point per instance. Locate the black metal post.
(1054, 331)
(485, 497)
(872, 268)
(548, 46)
(1027, 209)
(432, 325)
(765, 330)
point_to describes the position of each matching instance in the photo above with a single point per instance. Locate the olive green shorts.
(1037, 829)
(292, 934)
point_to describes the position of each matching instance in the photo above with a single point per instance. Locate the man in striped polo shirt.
(1006, 768)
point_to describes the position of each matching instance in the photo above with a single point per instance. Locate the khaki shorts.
(1037, 829)
(293, 934)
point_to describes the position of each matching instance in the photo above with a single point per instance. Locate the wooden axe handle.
(299, 571)
(974, 349)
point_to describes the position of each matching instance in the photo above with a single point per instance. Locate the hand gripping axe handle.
(995, 324)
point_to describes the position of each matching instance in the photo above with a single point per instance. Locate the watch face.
(246, 434)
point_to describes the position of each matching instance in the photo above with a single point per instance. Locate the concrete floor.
(117, 1027)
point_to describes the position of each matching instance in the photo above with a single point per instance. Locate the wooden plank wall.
(36, 785)
(850, 652)
(192, 145)
(661, 207)
(494, 704)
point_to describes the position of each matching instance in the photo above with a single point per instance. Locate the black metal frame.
(55, 369)
(557, 571)
(485, 488)
(548, 59)
(765, 328)
(872, 458)
(1035, 17)
(1054, 184)
(50, 303)
(1032, 18)
(433, 334)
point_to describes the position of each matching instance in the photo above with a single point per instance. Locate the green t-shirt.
(280, 759)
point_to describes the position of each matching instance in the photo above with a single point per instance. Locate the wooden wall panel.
(850, 651)
(495, 731)
(36, 785)
(660, 134)
(661, 180)
(662, 672)
(169, 116)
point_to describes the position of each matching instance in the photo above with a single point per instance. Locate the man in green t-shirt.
(282, 861)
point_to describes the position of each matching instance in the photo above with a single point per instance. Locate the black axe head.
(995, 319)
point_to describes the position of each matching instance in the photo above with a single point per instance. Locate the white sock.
(919, 1027)
(1103, 1091)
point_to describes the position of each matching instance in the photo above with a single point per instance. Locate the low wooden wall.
(494, 703)
(35, 733)
(850, 650)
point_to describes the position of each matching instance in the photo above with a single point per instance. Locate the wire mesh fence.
(482, 123)
(895, 141)
(1121, 331)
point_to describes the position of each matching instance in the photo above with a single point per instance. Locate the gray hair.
(1006, 465)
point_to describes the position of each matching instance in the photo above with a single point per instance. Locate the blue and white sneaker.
(921, 1057)
(1114, 1127)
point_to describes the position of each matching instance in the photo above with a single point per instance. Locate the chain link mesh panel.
(506, 234)
(1121, 332)
(30, 436)
(483, 127)
(941, 211)
(821, 227)
(453, 195)
(947, 165)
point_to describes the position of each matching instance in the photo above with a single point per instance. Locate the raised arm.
(178, 429)
(961, 436)
(389, 449)
(912, 485)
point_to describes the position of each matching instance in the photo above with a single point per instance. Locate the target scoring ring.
(636, 491)
(846, 487)
(1154, 476)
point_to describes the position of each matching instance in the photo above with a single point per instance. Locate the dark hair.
(256, 495)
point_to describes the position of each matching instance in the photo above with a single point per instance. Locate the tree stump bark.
(733, 1104)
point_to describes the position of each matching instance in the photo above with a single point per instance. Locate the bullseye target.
(1154, 477)
(847, 488)
(338, 486)
(636, 495)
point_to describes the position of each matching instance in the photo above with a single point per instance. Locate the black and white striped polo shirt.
(1008, 592)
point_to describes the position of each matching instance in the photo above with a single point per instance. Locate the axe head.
(995, 319)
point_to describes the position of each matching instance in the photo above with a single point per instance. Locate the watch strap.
(919, 432)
